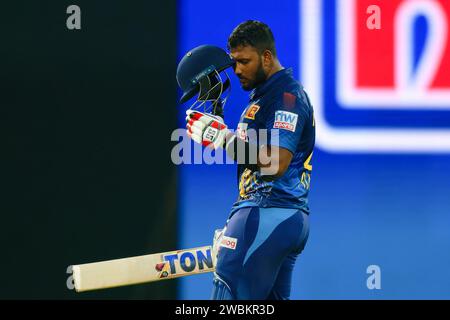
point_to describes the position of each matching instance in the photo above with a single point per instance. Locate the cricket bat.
(142, 269)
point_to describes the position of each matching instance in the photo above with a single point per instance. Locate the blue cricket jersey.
(282, 107)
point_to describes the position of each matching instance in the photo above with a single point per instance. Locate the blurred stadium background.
(87, 117)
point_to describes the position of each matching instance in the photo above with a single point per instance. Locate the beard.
(260, 77)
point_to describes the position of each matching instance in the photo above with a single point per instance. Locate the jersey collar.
(266, 85)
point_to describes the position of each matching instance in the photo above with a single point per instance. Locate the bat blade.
(142, 269)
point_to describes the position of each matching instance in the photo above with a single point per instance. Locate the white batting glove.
(206, 129)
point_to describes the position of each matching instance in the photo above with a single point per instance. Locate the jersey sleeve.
(285, 121)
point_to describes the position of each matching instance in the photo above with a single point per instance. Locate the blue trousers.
(269, 241)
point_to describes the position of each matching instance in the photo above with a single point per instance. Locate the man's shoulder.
(288, 85)
(290, 95)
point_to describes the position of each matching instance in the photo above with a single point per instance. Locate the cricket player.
(267, 227)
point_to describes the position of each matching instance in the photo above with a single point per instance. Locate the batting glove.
(206, 129)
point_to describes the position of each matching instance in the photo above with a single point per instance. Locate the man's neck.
(276, 67)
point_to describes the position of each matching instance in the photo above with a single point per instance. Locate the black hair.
(252, 33)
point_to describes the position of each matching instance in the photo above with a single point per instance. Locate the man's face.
(248, 68)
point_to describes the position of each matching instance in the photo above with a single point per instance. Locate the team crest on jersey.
(373, 89)
(251, 112)
(285, 120)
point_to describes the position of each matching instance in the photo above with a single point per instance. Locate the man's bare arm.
(273, 161)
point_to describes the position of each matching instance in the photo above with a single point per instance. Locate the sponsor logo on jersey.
(285, 120)
(228, 242)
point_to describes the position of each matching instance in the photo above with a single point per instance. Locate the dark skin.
(253, 68)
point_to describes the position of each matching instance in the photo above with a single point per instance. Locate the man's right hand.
(206, 129)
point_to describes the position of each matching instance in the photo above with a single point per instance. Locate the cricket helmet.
(201, 71)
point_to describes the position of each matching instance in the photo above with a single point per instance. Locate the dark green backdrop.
(86, 118)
